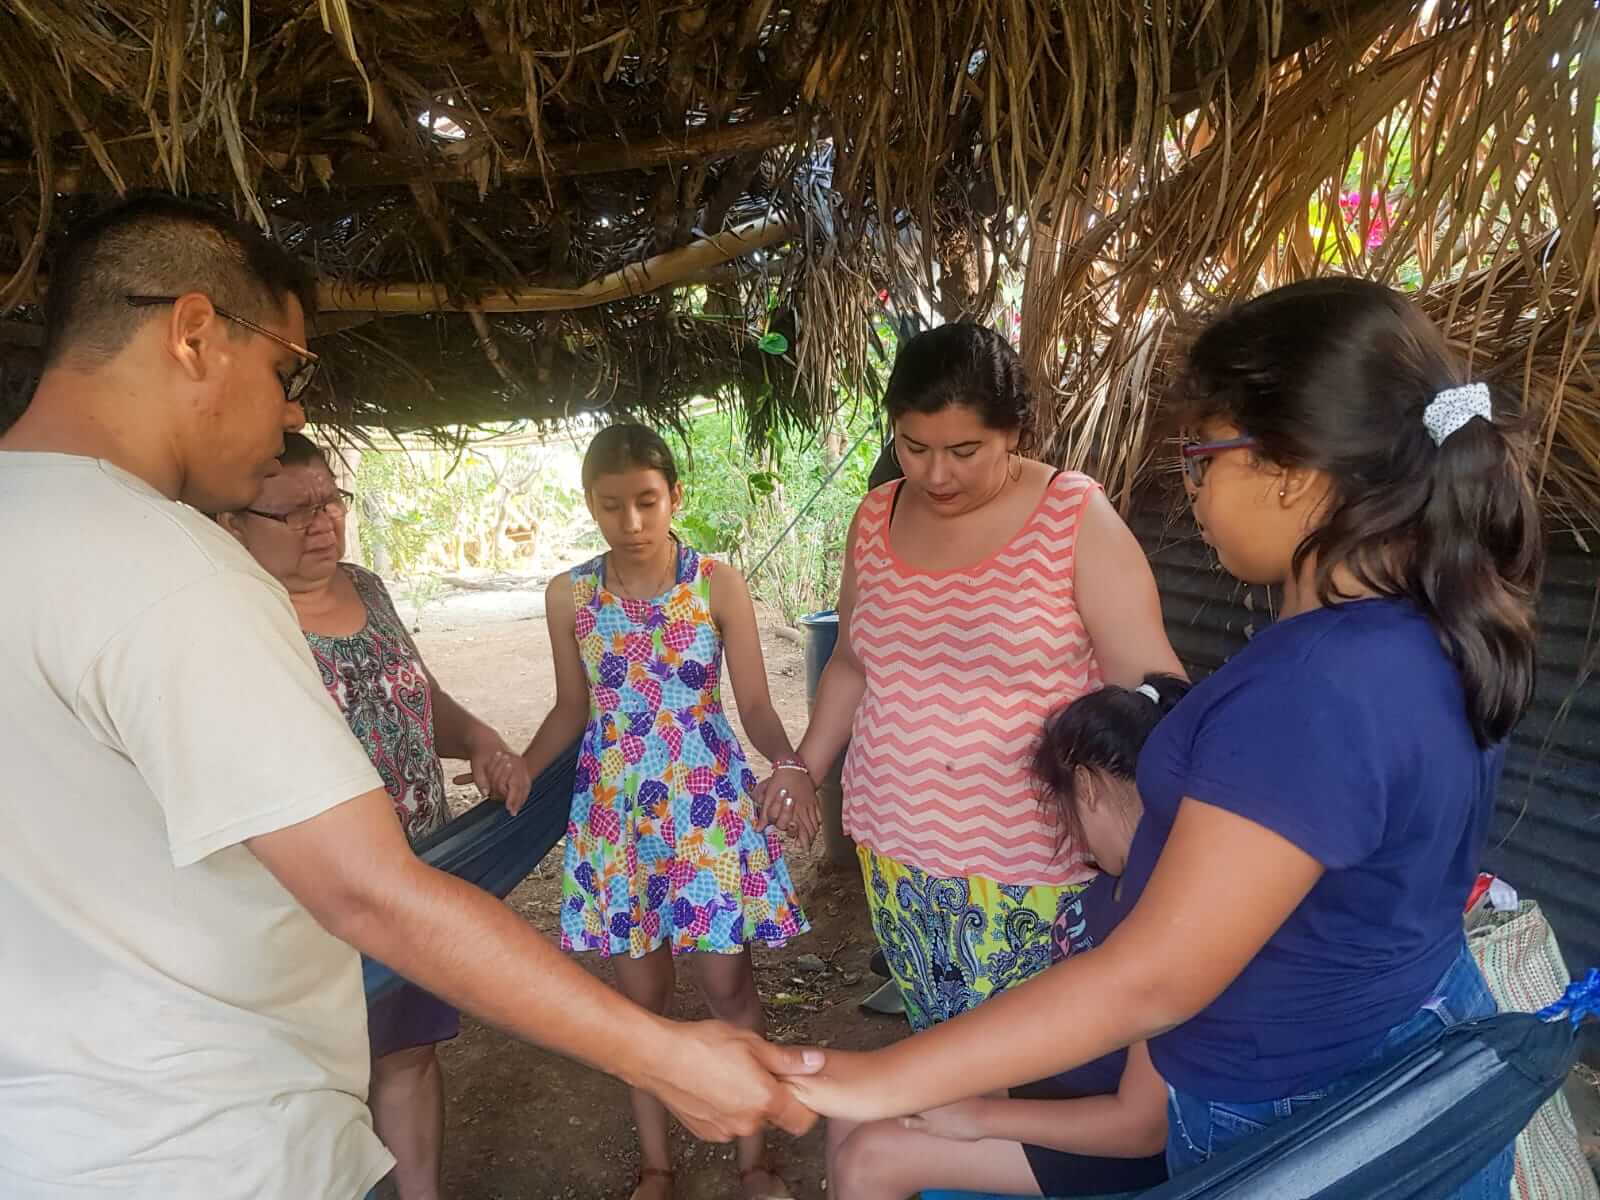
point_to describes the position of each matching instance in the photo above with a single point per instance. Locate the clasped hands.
(787, 800)
(724, 1083)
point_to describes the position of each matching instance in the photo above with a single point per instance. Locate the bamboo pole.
(635, 279)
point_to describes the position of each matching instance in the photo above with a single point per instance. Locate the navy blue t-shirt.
(1345, 731)
(1083, 921)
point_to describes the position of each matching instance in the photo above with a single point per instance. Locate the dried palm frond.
(1135, 167)
(1447, 148)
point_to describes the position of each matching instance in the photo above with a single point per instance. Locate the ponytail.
(1475, 572)
(1337, 375)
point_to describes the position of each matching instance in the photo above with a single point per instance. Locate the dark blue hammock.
(491, 849)
(1415, 1129)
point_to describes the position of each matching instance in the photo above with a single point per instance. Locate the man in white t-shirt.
(195, 846)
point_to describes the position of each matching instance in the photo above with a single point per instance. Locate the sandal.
(653, 1173)
(764, 1168)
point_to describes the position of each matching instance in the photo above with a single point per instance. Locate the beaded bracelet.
(791, 762)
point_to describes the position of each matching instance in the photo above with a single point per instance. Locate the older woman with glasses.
(406, 721)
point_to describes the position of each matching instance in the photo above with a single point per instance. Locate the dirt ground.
(523, 1124)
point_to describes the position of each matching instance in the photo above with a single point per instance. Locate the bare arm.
(794, 805)
(566, 720)
(839, 693)
(843, 681)
(1131, 1123)
(735, 615)
(353, 870)
(1167, 960)
(1116, 596)
(456, 732)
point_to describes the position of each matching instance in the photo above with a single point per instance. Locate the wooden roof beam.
(682, 265)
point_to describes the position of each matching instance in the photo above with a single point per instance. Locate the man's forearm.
(350, 866)
(462, 944)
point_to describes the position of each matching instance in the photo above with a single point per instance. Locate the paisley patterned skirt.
(950, 943)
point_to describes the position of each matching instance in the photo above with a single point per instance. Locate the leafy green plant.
(739, 504)
(435, 508)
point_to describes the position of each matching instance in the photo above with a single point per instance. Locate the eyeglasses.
(295, 383)
(1197, 456)
(298, 520)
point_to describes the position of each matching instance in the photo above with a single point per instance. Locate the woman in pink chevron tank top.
(980, 592)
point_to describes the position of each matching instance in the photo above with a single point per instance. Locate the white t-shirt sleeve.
(214, 697)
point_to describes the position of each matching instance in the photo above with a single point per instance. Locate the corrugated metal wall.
(1546, 837)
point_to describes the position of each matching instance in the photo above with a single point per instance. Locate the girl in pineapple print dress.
(665, 855)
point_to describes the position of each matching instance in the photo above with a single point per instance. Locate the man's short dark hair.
(160, 245)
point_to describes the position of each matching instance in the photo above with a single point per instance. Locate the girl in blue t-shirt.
(1314, 810)
(1098, 1129)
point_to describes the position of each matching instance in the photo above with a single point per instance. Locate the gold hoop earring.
(1016, 462)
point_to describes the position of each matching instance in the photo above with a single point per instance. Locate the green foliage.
(417, 507)
(403, 510)
(736, 506)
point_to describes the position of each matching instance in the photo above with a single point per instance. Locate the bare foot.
(654, 1184)
(758, 1183)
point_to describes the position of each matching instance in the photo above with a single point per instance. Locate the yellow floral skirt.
(952, 942)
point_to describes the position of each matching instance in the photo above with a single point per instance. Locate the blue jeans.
(1199, 1128)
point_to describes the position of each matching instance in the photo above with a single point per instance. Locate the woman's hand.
(961, 1121)
(511, 779)
(788, 800)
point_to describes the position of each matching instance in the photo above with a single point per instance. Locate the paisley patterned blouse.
(375, 676)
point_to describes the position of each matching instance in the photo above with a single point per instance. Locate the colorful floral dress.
(661, 842)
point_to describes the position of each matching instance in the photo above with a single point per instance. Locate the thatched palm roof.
(480, 181)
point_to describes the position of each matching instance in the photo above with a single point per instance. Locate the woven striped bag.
(1522, 963)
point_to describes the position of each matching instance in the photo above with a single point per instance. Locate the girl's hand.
(848, 1087)
(790, 802)
(959, 1122)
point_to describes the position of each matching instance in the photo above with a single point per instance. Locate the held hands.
(848, 1087)
(724, 1083)
(498, 770)
(787, 799)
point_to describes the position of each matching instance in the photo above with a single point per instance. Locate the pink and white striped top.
(962, 667)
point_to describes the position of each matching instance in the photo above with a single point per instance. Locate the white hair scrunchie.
(1454, 407)
(1148, 691)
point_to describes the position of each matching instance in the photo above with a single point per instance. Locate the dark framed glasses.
(298, 380)
(1197, 456)
(298, 520)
